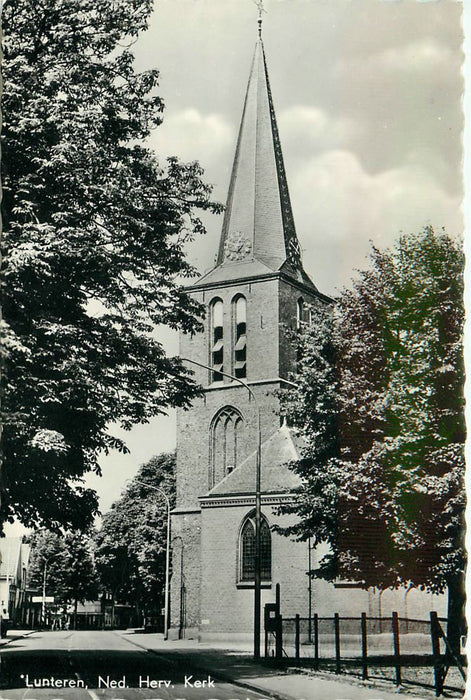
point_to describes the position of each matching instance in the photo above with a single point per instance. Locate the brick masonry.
(207, 600)
(209, 538)
(226, 603)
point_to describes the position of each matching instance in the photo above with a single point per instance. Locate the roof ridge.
(274, 462)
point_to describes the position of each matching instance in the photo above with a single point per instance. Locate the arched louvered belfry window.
(227, 430)
(216, 315)
(247, 549)
(240, 336)
(299, 312)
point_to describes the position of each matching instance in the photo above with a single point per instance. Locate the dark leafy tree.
(68, 563)
(94, 236)
(131, 545)
(381, 405)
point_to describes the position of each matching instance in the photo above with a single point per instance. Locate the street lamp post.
(258, 501)
(167, 552)
(182, 587)
(309, 615)
(258, 508)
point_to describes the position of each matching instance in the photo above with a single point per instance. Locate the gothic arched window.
(247, 549)
(240, 336)
(226, 440)
(216, 315)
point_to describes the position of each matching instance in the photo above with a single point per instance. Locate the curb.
(224, 677)
(13, 639)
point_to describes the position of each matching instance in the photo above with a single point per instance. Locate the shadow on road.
(30, 668)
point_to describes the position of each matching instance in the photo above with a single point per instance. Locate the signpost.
(40, 599)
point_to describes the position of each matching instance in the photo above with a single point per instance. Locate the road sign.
(39, 599)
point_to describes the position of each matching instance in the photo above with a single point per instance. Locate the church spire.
(258, 223)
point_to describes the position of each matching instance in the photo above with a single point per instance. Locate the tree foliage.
(70, 572)
(131, 545)
(380, 401)
(94, 236)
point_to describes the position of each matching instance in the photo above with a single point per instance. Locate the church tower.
(257, 289)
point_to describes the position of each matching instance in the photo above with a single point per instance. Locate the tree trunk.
(456, 618)
(75, 613)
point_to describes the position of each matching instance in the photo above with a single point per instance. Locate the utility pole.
(43, 606)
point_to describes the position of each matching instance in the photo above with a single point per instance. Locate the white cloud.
(191, 135)
(417, 55)
(429, 55)
(339, 208)
(304, 128)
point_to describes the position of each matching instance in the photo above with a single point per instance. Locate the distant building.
(257, 289)
(13, 578)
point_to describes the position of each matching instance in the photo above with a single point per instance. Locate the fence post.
(397, 647)
(364, 647)
(316, 640)
(437, 669)
(279, 638)
(296, 637)
(337, 642)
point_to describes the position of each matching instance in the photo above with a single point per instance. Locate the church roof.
(258, 233)
(276, 477)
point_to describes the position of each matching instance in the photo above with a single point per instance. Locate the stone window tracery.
(247, 549)
(227, 431)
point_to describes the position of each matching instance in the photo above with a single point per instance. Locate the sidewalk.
(14, 634)
(236, 666)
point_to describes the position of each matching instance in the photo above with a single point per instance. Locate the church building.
(257, 289)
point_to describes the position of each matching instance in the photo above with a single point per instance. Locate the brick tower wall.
(184, 590)
(193, 434)
(271, 305)
(288, 295)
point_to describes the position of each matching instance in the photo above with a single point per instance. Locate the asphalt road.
(90, 665)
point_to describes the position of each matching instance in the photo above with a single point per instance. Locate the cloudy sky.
(367, 95)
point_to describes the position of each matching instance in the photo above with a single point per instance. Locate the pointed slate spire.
(258, 220)
(258, 234)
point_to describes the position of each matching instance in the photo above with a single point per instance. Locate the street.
(101, 664)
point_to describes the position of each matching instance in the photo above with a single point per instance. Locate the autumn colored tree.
(381, 403)
(94, 229)
(131, 545)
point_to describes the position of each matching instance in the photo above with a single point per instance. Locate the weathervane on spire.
(261, 9)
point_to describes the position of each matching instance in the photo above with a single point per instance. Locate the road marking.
(92, 693)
